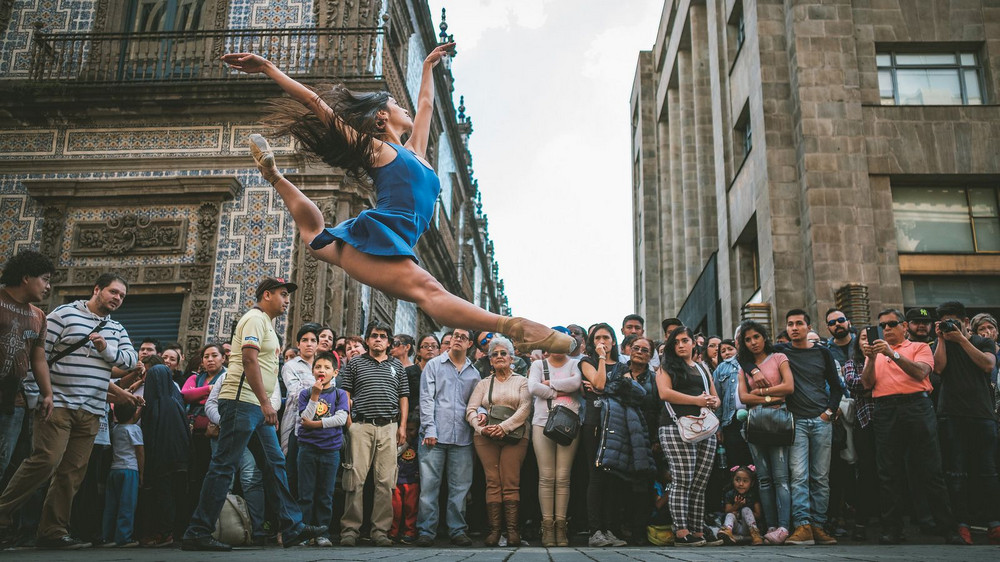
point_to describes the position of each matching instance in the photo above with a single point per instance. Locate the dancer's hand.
(246, 62)
(440, 51)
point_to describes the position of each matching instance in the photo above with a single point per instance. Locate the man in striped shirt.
(81, 388)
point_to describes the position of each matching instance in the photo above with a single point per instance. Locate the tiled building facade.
(123, 147)
(807, 154)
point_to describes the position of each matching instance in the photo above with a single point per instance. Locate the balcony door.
(158, 48)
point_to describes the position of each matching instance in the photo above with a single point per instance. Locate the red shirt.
(891, 379)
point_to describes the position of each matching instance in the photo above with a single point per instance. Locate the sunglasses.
(378, 337)
(486, 338)
(499, 354)
(835, 321)
(640, 349)
(396, 343)
(889, 324)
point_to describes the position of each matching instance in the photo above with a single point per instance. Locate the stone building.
(123, 147)
(805, 154)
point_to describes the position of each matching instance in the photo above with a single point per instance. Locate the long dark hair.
(325, 141)
(743, 353)
(670, 361)
(592, 348)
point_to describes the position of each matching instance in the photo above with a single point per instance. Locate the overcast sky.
(547, 85)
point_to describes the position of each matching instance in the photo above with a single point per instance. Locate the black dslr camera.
(949, 325)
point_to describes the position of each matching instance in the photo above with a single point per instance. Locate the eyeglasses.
(641, 349)
(889, 324)
(835, 321)
(460, 337)
(428, 346)
(500, 353)
(486, 338)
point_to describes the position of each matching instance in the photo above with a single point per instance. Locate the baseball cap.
(272, 283)
(918, 314)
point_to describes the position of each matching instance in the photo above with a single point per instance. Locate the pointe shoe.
(264, 157)
(555, 342)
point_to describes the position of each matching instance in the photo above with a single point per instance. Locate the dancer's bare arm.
(425, 101)
(253, 64)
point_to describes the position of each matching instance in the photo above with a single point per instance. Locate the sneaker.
(711, 538)
(994, 535)
(820, 536)
(776, 536)
(381, 540)
(348, 540)
(461, 540)
(689, 540)
(598, 539)
(964, 533)
(205, 543)
(424, 541)
(803, 535)
(726, 534)
(130, 544)
(408, 539)
(323, 541)
(164, 541)
(64, 542)
(613, 540)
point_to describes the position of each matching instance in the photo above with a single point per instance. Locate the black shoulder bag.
(563, 423)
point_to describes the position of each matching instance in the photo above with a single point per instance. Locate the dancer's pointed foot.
(264, 156)
(547, 339)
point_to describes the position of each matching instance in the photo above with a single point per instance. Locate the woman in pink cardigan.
(195, 391)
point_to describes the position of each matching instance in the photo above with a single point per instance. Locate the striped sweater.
(80, 380)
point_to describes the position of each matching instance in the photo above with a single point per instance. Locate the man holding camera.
(897, 371)
(965, 412)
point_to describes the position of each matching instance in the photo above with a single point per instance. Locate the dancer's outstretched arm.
(253, 64)
(425, 101)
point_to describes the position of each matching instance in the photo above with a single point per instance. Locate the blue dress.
(406, 191)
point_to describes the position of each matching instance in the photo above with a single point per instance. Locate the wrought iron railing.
(193, 56)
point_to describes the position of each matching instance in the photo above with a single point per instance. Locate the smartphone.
(872, 333)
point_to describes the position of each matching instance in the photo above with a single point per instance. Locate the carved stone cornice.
(129, 234)
(119, 191)
(132, 163)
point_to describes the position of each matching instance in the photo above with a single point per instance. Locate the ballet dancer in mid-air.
(361, 133)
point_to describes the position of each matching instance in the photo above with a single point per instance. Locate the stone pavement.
(528, 554)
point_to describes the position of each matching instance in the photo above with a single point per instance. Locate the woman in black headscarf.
(167, 446)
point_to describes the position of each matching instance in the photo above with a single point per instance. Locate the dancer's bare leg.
(398, 277)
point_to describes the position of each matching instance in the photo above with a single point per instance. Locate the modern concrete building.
(123, 146)
(807, 154)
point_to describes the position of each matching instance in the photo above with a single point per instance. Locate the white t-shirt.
(124, 439)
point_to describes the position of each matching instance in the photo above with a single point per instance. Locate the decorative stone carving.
(200, 277)
(208, 222)
(52, 231)
(129, 234)
(192, 346)
(158, 274)
(60, 276)
(197, 314)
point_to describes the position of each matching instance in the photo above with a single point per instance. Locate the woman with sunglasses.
(765, 381)
(497, 444)
(602, 488)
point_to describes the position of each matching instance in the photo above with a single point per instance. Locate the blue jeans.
(436, 461)
(238, 421)
(317, 478)
(119, 505)
(809, 463)
(252, 484)
(772, 474)
(10, 429)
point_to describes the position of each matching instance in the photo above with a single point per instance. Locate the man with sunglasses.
(897, 371)
(379, 391)
(843, 341)
(446, 446)
(482, 339)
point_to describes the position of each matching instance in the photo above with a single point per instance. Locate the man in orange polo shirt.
(897, 371)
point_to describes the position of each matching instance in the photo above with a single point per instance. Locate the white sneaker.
(323, 541)
(598, 539)
(613, 540)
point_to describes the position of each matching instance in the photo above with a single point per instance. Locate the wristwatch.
(895, 356)
(767, 399)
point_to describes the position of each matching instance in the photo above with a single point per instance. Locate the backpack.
(234, 526)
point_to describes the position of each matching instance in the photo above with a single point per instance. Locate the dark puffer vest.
(623, 447)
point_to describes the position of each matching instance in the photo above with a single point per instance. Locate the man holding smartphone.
(897, 371)
(965, 414)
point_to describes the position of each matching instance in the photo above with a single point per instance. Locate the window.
(946, 219)
(743, 139)
(941, 78)
(736, 33)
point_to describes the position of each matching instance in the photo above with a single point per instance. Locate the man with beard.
(919, 323)
(82, 343)
(843, 340)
